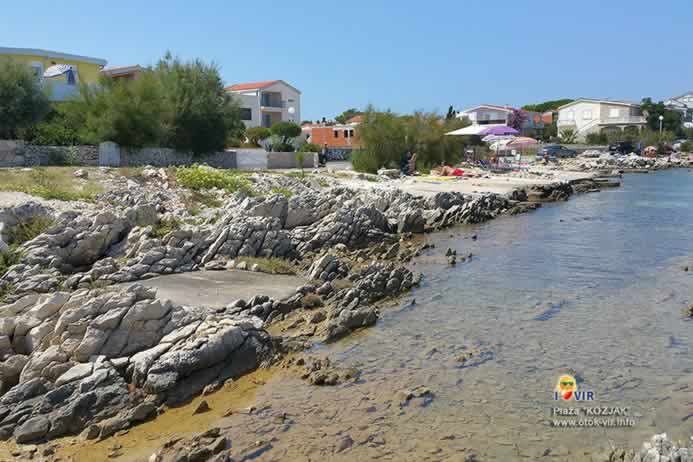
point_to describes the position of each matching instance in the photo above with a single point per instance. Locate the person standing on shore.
(322, 157)
(412, 164)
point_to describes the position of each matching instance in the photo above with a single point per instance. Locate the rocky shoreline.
(82, 354)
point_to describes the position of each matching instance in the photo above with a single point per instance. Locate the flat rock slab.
(219, 288)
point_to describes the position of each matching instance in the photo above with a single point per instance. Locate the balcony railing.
(623, 120)
(269, 103)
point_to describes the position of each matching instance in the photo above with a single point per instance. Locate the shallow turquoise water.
(593, 286)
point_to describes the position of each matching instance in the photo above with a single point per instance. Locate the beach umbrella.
(499, 130)
(494, 138)
(522, 141)
(56, 70)
(499, 145)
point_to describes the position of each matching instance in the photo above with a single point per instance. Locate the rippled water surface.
(593, 286)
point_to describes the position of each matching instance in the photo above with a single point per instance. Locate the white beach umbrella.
(56, 70)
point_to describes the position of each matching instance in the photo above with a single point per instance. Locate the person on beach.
(322, 157)
(404, 163)
(412, 164)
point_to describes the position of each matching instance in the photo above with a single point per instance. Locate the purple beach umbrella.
(498, 130)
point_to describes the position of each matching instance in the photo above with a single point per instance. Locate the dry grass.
(49, 183)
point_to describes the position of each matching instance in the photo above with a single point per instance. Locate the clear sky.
(403, 55)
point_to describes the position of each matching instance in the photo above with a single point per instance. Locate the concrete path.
(219, 288)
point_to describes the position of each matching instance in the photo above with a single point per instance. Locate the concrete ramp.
(219, 288)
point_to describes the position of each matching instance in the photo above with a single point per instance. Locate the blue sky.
(404, 55)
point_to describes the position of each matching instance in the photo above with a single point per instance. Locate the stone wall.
(288, 160)
(164, 157)
(19, 154)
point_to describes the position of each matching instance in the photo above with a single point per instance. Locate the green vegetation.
(49, 183)
(567, 136)
(283, 191)
(181, 105)
(15, 237)
(687, 146)
(551, 105)
(269, 265)
(671, 119)
(165, 226)
(283, 133)
(597, 138)
(300, 159)
(22, 102)
(309, 147)
(257, 134)
(24, 232)
(346, 115)
(198, 177)
(386, 137)
(195, 199)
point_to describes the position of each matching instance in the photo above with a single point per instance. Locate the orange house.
(336, 136)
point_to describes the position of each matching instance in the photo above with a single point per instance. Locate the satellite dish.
(56, 70)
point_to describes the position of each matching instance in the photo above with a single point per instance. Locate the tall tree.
(452, 113)
(346, 115)
(671, 119)
(22, 101)
(551, 105)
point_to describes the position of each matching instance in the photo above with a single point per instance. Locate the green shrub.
(363, 161)
(15, 237)
(24, 232)
(257, 134)
(567, 135)
(310, 147)
(22, 101)
(687, 146)
(283, 191)
(199, 177)
(165, 226)
(596, 138)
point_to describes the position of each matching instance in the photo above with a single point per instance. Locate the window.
(614, 113)
(246, 113)
(336, 133)
(346, 133)
(587, 115)
(37, 70)
(70, 77)
(568, 115)
(351, 133)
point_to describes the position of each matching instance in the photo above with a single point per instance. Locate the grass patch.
(18, 235)
(271, 265)
(283, 191)
(165, 226)
(5, 292)
(25, 232)
(49, 183)
(200, 177)
(196, 199)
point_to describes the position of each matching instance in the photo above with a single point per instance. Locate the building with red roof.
(267, 102)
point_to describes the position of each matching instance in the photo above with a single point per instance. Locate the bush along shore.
(82, 353)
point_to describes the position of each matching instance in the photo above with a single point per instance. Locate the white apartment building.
(585, 116)
(265, 103)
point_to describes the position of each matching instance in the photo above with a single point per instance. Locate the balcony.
(271, 101)
(627, 120)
